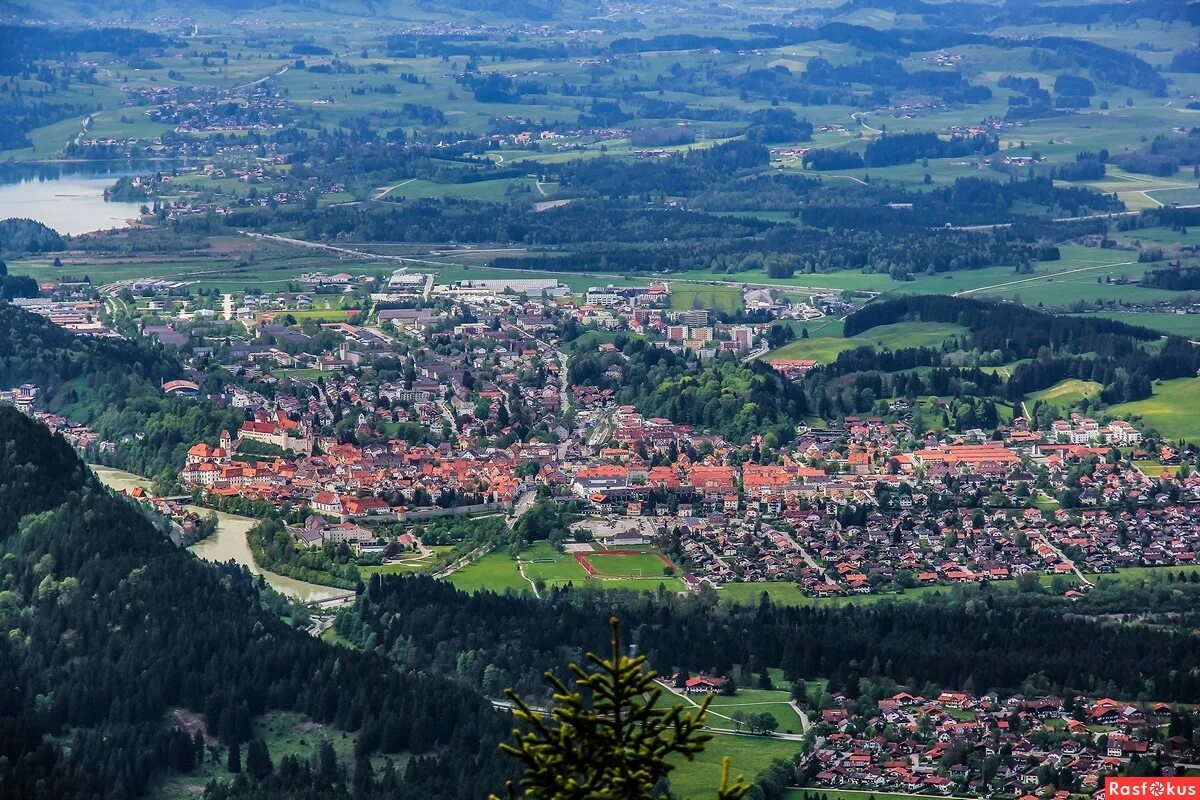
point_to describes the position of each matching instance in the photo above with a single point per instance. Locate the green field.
(1151, 574)
(685, 297)
(1154, 469)
(495, 571)
(757, 701)
(1172, 409)
(748, 755)
(901, 334)
(404, 567)
(1171, 324)
(543, 562)
(1065, 394)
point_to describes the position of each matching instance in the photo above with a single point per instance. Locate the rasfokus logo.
(1151, 788)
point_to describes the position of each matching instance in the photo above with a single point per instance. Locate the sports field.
(625, 564)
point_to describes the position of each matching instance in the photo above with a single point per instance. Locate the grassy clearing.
(402, 567)
(1152, 574)
(495, 572)
(902, 334)
(1172, 409)
(1171, 324)
(685, 297)
(543, 562)
(593, 339)
(757, 701)
(1065, 394)
(748, 755)
(285, 733)
(788, 594)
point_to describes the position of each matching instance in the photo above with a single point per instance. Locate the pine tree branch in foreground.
(612, 747)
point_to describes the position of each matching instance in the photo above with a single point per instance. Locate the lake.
(69, 203)
(228, 543)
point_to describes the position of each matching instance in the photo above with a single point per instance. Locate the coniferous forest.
(110, 627)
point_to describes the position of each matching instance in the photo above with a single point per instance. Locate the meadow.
(1171, 411)
(825, 348)
(748, 756)
(1066, 394)
(1171, 324)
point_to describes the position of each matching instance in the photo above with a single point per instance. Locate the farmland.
(825, 348)
(1065, 394)
(1172, 409)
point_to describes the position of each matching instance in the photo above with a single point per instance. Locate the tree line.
(994, 642)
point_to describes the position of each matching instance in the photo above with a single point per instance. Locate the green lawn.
(748, 755)
(590, 340)
(1138, 574)
(543, 562)
(1065, 394)
(901, 334)
(1172, 324)
(685, 297)
(404, 567)
(1153, 468)
(495, 571)
(756, 701)
(1172, 409)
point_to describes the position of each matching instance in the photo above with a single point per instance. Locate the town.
(374, 401)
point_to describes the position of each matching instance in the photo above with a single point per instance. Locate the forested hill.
(737, 400)
(998, 641)
(1125, 359)
(109, 628)
(113, 385)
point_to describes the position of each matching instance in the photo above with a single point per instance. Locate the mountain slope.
(108, 626)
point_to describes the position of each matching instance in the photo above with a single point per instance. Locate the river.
(229, 542)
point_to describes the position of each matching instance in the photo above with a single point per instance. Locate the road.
(383, 192)
(804, 722)
(550, 353)
(808, 559)
(762, 350)
(261, 80)
(523, 504)
(1042, 277)
(1101, 215)
(1063, 556)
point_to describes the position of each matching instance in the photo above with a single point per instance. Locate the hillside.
(96, 660)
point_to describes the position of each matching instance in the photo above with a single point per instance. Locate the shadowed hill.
(109, 626)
